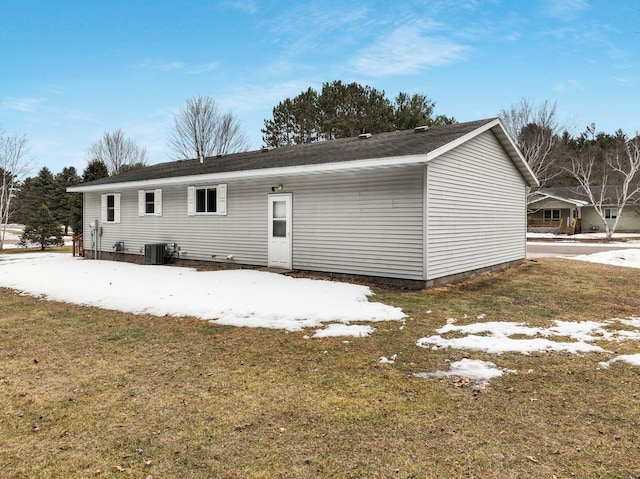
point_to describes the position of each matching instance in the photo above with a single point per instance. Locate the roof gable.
(399, 147)
(578, 196)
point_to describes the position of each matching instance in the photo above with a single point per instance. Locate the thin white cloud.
(246, 6)
(566, 8)
(202, 68)
(622, 80)
(568, 86)
(24, 104)
(262, 95)
(160, 64)
(408, 50)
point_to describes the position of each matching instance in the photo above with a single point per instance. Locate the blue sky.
(71, 70)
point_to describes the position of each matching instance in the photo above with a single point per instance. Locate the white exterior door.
(279, 252)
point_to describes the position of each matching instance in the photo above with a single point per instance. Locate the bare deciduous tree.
(536, 130)
(622, 161)
(15, 163)
(200, 129)
(117, 152)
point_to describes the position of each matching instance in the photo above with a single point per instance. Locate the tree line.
(200, 129)
(344, 110)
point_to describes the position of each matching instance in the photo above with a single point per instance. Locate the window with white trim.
(110, 208)
(207, 200)
(611, 213)
(551, 214)
(149, 202)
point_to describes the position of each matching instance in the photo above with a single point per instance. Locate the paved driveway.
(561, 249)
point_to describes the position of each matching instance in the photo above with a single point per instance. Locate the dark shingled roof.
(382, 145)
(610, 196)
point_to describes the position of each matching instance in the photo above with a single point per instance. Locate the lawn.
(86, 392)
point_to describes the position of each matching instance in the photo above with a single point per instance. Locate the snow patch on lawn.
(633, 359)
(629, 258)
(495, 337)
(478, 372)
(231, 297)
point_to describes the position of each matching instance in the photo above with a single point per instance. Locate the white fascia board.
(460, 141)
(546, 196)
(507, 143)
(537, 200)
(257, 173)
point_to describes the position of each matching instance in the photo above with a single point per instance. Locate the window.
(207, 200)
(279, 219)
(149, 202)
(110, 208)
(611, 213)
(551, 214)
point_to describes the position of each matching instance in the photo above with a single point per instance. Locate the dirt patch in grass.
(91, 393)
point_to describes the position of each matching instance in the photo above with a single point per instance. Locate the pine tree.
(42, 229)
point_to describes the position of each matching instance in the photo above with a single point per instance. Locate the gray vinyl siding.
(241, 233)
(367, 222)
(476, 209)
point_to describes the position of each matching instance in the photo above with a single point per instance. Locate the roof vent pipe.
(421, 128)
(201, 159)
(364, 136)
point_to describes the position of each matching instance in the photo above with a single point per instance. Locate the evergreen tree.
(343, 110)
(294, 121)
(34, 192)
(61, 204)
(349, 110)
(412, 111)
(95, 170)
(43, 229)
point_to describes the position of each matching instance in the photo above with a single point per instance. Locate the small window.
(150, 202)
(279, 219)
(611, 213)
(110, 208)
(551, 214)
(207, 200)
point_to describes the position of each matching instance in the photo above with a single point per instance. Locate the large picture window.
(207, 200)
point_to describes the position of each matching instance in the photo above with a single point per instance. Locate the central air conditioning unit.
(155, 253)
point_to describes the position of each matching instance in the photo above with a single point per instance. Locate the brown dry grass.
(91, 393)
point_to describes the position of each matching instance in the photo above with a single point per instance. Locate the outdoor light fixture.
(277, 188)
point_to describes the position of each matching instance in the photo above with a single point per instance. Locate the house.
(569, 210)
(418, 207)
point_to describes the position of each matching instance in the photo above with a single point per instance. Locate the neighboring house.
(420, 207)
(569, 210)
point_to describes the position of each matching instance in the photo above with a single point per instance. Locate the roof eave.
(256, 173)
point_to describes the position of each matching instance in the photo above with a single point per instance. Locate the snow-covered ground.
(12, 237)
(259, 299)
(232, 297)
(629, 258)
(599, 236)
